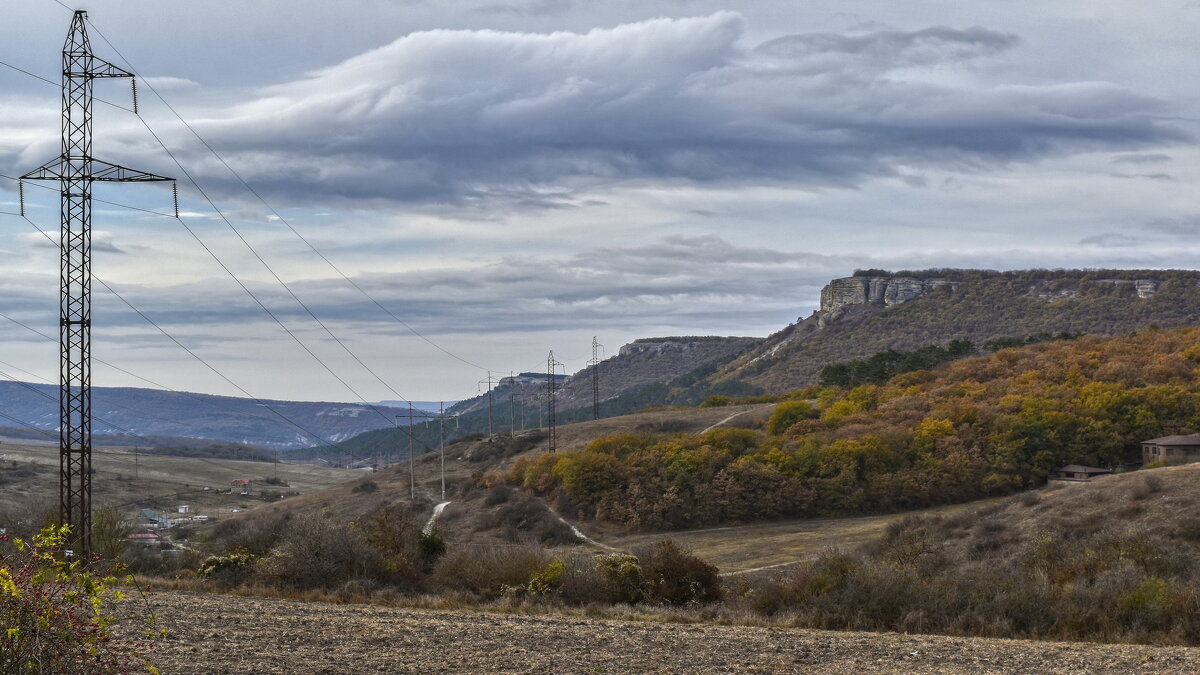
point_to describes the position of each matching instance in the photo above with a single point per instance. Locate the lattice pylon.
(76, 170)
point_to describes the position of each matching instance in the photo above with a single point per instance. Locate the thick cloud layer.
(444, 115)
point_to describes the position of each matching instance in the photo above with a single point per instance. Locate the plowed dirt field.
(227, 634)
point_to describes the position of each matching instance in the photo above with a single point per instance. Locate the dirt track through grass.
(743, 548)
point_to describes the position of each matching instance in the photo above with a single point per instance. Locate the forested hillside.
(968, 429)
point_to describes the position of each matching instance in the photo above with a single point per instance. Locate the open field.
(230, 634)
(161, 482)
(741, 548)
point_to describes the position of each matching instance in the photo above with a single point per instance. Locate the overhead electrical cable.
(43, 394)
(208, 365)
(112, 291)
(27, 425)
(274, 212)
(138, 414)
(254, 252)
(59, 84)
(269, 269)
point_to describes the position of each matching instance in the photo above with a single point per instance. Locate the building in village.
(1079, 473)
(1178, 449)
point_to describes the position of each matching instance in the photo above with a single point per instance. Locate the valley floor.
(230, 634)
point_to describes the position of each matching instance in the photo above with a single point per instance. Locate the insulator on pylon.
(21, 192)
(175, 194)
(133, 80)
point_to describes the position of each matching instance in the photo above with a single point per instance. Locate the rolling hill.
(149, 413)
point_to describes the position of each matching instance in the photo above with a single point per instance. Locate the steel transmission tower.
(489, 395)
(512, 405)
(551, 368)
(76, 170)
(595, 364)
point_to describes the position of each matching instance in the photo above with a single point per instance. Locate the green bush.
(717, 401)
(672, 575)
(622, 577)
(487, 571)
(229, 569)
(61, 617)
(788, 413)
(547, 579)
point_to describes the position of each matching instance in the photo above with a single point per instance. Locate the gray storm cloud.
(487, 116)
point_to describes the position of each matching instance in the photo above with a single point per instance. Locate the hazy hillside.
(637, 364)
(152, 413)
(644, 373)
(876, 311)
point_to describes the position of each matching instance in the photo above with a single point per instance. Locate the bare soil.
(229, 634)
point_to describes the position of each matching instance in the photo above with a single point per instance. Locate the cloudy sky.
(508, 178)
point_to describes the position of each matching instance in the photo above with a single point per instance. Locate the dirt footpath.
(225, 634)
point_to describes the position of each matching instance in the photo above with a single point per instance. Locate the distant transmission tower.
(489, 395)
(442, 444)
(551, 368)
(595, 364)
(76, 170)
(512, 405)
(412, 469)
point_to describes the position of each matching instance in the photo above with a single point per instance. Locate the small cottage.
(1078, 472)
(144, 539)
(1179, 449)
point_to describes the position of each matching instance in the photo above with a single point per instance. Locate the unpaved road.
(225, 634)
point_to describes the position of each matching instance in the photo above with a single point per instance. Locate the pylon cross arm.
(98, 67)
(101, 171)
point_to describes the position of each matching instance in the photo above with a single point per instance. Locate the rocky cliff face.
(659, 347)
(887, 291)
(1052, 290)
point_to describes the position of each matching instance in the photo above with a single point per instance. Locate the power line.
(48, 81)
(283, 220)
(94, 199)
(253, 251)
(43, 394)
(112, 291)
(27, 425)
(197, 357)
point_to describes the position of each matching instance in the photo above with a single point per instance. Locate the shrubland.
(969, 429)
(1112, 560)
(59, 614)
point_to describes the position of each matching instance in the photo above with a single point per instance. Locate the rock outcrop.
(1051, 291)
(887, 291)
(656, 346)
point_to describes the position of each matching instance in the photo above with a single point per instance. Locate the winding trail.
(735, 415)
(579, 533)
(437, 511)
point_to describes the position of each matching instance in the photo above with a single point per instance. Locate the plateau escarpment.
(876, 311)
(885, 291)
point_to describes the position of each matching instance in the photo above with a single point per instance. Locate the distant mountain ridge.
(154, 413)
(642, 362)
(875, 310)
